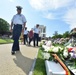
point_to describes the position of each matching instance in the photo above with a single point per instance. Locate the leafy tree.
(4, 26)
(56, 35)
(66, 34)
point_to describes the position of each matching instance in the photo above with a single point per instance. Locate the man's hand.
(11, 27)
(23, 30)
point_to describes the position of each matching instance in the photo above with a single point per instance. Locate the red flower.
(70, 49)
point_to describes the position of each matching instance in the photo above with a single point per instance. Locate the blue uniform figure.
(36, 35)
(25, 36)
(18, 23)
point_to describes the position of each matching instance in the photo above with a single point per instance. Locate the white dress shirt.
(18, 19)
(25, 32)
(36, 30)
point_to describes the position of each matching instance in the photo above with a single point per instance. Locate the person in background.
(25, 36)
(31, 34)
(18, 24)
(36, 35)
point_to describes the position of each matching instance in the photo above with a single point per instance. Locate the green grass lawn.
(40, 65)
(5, 41)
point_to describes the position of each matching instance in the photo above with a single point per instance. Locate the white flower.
(49, 43)
(69, 46)
(71, 54)
(46, 48)
(52, 47)
(46, 55)
(55, 49)
(65, 53)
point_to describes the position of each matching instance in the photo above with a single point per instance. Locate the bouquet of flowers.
(66, 53)
(73, 57)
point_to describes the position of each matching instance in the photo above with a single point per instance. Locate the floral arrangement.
(72, 52)
(65, 53)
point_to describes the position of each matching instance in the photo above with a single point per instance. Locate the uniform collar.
(19, 14)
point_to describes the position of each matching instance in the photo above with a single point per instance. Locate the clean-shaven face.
(19, 11)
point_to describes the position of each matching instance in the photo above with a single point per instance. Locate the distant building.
(42, 31)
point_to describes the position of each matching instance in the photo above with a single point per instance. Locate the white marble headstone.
(53, 68)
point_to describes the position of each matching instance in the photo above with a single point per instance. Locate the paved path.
(18, 64)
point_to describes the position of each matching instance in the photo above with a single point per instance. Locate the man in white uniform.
(36, 35)
(18, 23)
(25, 36)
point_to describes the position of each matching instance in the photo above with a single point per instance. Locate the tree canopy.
(4, 26)
(64, 35)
